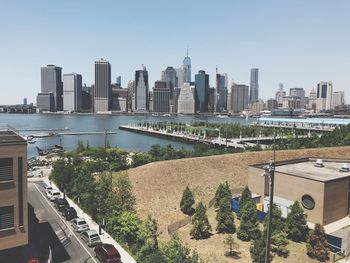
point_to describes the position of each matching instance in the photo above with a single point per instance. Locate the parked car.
(47, 188)
(69, 213)
(79, 224)
(61, 203)
(53, 194)
(90, 237)
(107, 253)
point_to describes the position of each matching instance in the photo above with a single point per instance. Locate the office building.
(103, 88)
(186, 101)
(181, 73)
(187, 63)
(201, 91)
(279, 95)
(72, 92)
(141, 95)
(324, 96)
(45, 102)
(320, 186)
(254, 84)
(51, 82)
(221, 92)
(338, 98)
(119, 98)
(292, 102)
(130, 87)
(161, 97)
(272, 104)
(300, 93)
(170, 77)
(212, 99)
(13, 190)
(119, 81)
(240, 97)
(312, 99)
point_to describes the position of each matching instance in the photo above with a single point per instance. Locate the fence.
(178, 224)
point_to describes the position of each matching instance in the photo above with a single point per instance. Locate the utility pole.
(270, 172)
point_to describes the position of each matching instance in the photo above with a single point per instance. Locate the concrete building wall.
(9, 196)
(292, 188)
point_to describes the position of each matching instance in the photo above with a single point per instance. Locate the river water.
(99, 123)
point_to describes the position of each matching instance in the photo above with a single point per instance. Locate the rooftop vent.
(344, 168)
(319, 163)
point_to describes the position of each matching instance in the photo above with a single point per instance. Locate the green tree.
(105, 197)
(124, 197)
(225, 217)
(277, 225)
(148, 239)
(187, 201)
(258, 250)
(232, 245)
(201, 227)
(249, 227)
(175, 252)
(296, 224)
(279, 244)
(223, 191)
(245, 197)
(317, 246)
(124, 227)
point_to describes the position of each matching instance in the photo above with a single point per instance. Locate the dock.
(87, 133)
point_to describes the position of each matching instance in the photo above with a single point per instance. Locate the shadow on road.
(41, 237)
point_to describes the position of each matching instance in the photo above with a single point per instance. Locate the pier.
(241, 143)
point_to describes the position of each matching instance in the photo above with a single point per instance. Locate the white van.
(53, 194)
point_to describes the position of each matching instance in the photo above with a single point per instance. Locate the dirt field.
(158, 188)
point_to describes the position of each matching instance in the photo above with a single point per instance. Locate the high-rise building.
(51, 82)
(254, 84)
(72, 92)
(324, 96)
(186, 102)
(181, 75)
(187, 63)
(201, 91)
(141, 90)
(119, 81)
(130, 94)
(240, 97)
(212, 99)
(161, 97)
(169, 76)
(103, 88)
(312, 99)
(280, 94)
(272, 104)
(338, 98)
(25, 102)
(298, 92)
(45, 101)
(221, 92)
(13, 191)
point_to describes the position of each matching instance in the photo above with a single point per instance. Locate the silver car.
(79, 224)
(90, 237)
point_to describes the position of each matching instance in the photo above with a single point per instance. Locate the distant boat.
(166, 115)
(56, 149)
(222, 116)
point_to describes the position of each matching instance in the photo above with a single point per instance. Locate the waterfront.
(99, 123)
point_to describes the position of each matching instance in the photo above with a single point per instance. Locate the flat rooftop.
(10, 137)
(305, 168)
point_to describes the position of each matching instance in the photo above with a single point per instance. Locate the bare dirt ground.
(158, 188)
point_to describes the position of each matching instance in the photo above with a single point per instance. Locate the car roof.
(91, 232)
(80, 219)
(54, 191)
(70, 208)
(110, 249)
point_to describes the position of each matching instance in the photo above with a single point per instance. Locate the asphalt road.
(52, 230)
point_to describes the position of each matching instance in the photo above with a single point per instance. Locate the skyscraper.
(181, 75)
(201, 91)
(239, 96)
(187, 63)
(324, 96)
(141, 90)
(298, 92)
(51, 82)
(186, 101)
(72, 92)
(161, 97)
(338, 98)
(103, 88)
(279, 95)
(254, 84)
(169, 76)
(221, 92)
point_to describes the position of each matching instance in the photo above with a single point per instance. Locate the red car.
(107, 253)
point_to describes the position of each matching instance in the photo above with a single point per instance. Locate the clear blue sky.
(295, 42)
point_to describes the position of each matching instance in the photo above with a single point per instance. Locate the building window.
(6, 218)
(20, 191)
(6, 170)
(308, 202)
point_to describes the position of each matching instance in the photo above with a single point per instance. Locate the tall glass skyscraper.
(187, 64)
(201, 91)
(103, 88)
(51, 82)
(141, 90)
(254, 84)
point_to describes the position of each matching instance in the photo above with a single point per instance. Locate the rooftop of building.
(8, 135)
(307, 168)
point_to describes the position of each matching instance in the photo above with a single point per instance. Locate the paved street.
(55, 232)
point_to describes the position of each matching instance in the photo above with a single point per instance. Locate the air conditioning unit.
(319, 163)
(344, 168)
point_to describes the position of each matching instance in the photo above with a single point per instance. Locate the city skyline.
(286, 48)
